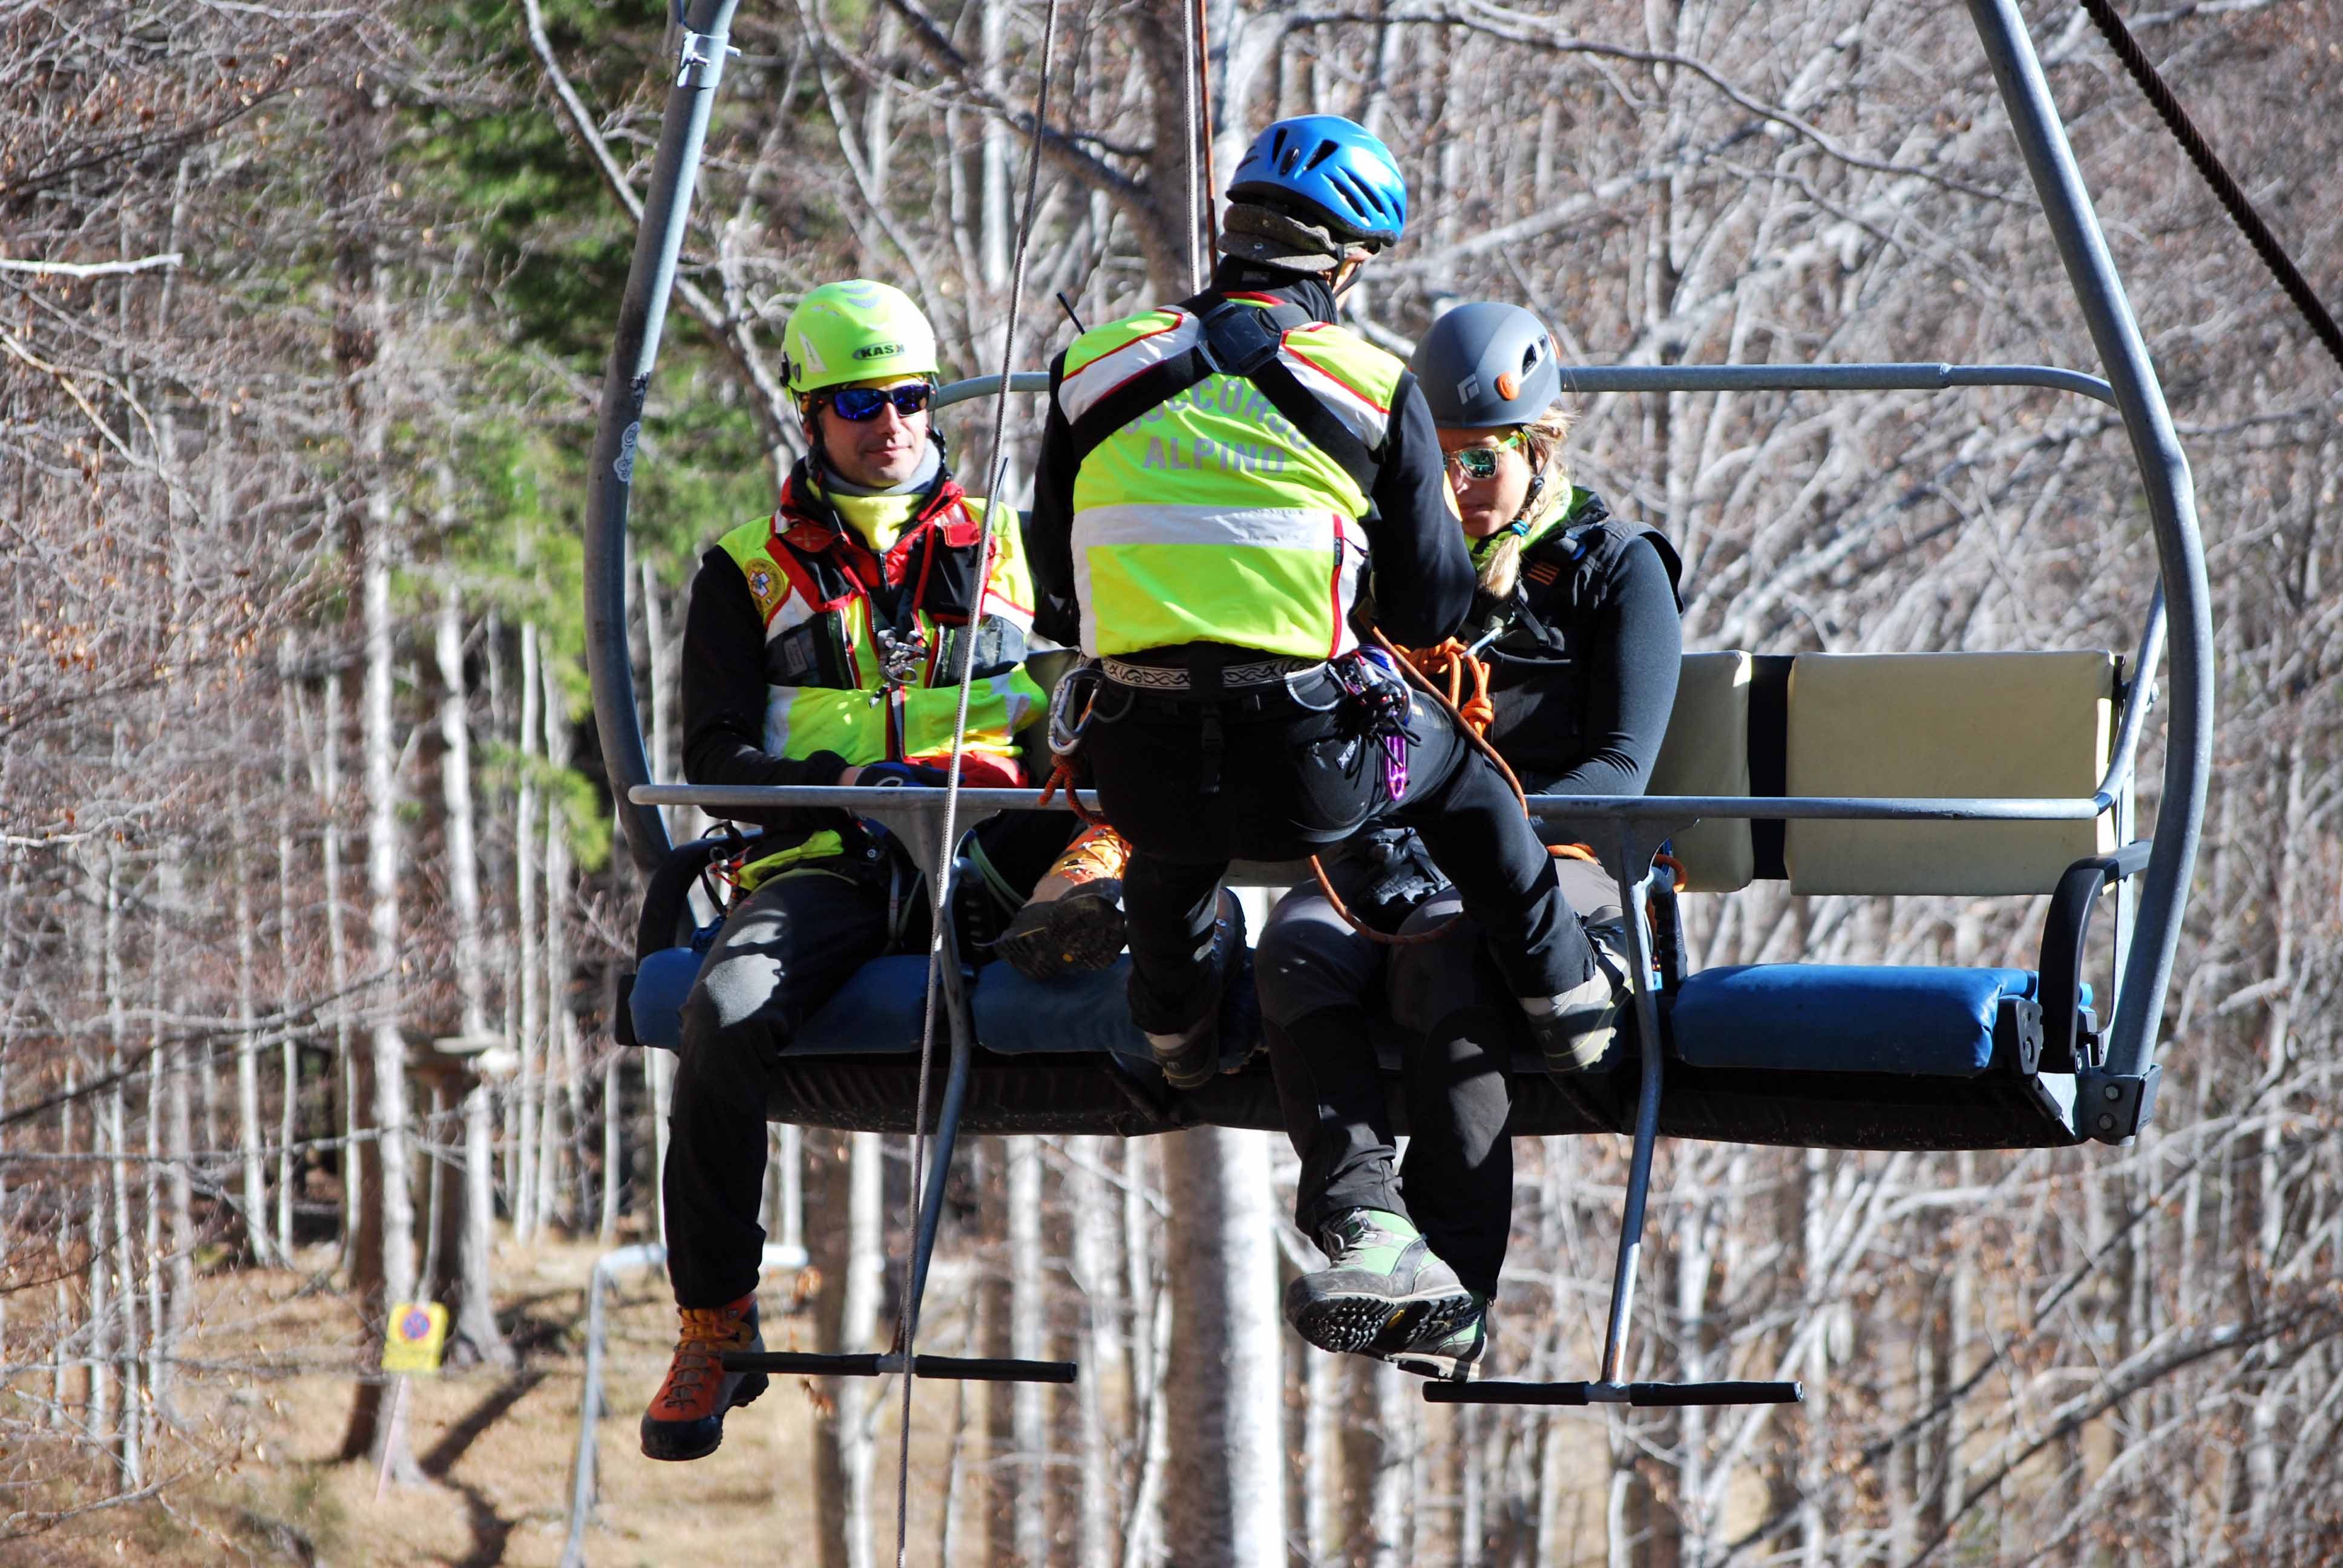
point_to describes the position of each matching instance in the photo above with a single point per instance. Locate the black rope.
(2192, 141)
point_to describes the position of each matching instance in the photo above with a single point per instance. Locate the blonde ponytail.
(1502, 570)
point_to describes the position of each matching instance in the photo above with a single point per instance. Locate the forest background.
(304, 308)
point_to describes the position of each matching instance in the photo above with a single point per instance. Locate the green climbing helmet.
(857, 330)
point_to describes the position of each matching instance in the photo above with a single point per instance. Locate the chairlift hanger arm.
(1636, 808)
(707, 26)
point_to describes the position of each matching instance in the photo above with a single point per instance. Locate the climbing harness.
(1375, 700)
(901, 658)
(1080, 688)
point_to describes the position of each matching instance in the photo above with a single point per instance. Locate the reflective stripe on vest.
(1210, 518)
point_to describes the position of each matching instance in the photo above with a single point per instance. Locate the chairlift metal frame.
(2177, 627)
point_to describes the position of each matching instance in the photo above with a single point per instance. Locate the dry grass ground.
(267, 1398)
(271, 1367)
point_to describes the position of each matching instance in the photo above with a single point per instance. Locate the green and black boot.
(1447, 1354)
(1384, 1291)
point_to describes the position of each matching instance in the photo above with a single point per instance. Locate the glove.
(900, 775)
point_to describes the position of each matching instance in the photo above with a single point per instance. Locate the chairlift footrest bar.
(1633, 1394)
(960, 1367)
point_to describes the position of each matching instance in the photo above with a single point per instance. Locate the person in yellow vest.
(823, 645)
(1221, 482)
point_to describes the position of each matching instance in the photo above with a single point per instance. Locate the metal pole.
(947, 1133)
(2172, 508)
(1895, 376)
(611, 476)
(1634, 886)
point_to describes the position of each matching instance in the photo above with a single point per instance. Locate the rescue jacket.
(860, 607)
(1225, 456)
(1570, 681)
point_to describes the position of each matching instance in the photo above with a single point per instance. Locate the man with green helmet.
(824, 645)
(1221, 482)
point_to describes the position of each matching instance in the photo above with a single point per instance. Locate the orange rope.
(1062, 777)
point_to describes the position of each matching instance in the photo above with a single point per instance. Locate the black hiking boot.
(1576, 1030)
(1189, 1058)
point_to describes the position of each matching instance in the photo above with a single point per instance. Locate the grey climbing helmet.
(1487, 365)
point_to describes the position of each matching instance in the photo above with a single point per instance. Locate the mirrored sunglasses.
(1481, 462)
(861, 403)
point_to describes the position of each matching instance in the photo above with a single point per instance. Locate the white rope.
(1188, 77)
(940, 902)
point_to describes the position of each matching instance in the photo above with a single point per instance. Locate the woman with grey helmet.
(1579, 612)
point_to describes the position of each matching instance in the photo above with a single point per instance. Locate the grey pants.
(1320, 981)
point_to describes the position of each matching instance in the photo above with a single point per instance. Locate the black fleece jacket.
(1590, 722)
(1422, 571)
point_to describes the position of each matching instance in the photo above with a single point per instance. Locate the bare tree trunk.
(125, 1285)
(1228, 1461)
(475, 1313)
(393, 1208)
(338, 957)
(853, 1263)
(1028, 1329)
(556, 1153)
(1322, 1456)
(1097, 1346)
(288, 1123)
(526, 1091)
(1151, 1335)
(250, 1140)
(608, 1229)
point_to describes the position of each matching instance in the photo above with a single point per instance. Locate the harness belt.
(1177, 678)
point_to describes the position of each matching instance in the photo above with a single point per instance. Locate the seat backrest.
(1938, 725)
(1707, 752)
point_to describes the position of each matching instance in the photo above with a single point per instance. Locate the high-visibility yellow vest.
(905, 574)
(1210, 518)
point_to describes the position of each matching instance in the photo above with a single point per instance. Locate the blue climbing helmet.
(1328, 172)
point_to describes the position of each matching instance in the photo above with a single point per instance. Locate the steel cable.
(2224, 185)
(940, 901)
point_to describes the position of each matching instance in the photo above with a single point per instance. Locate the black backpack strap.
(1239, 340)
(1150, 388)
(1245, 341)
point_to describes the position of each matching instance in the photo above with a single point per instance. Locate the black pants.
(1283, 776)
(1320, 982)
(784, 951)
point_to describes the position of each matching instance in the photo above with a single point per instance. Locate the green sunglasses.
(1481, 462)
(861, 403)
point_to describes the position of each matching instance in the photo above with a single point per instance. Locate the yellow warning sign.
(417, 1331)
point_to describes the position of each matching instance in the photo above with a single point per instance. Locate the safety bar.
(1891, 376)
(952, 392)
(1632, 808)
(1868, 377)
(962, 1368)
(1637, 1393)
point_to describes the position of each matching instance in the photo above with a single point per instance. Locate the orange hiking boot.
(686, 1420)
(1073, 922)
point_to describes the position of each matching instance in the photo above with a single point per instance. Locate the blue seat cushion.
(1843, 1017)
(880, 1010)
(1075, 1013)
(661, 982)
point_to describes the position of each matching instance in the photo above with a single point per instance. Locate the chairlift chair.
(2012, 774)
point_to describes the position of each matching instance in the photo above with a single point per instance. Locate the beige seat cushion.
(1707, 752)
(1937, 725)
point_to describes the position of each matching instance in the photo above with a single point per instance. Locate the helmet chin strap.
(1520, 525)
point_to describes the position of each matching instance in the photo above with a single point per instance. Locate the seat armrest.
(667, 901)
(2064, 934)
